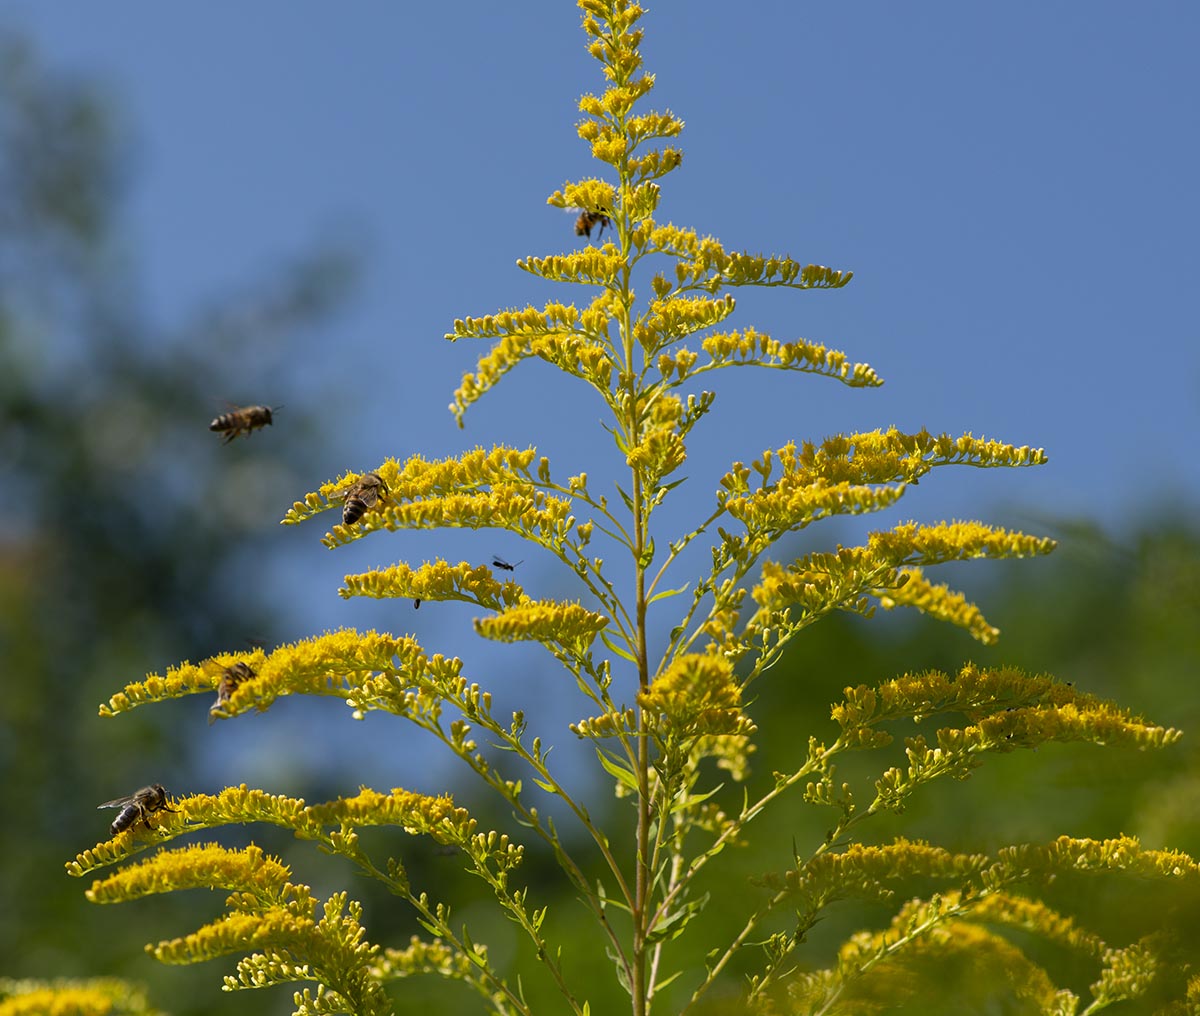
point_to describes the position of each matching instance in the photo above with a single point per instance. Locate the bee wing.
(211, 668)
(120, 802)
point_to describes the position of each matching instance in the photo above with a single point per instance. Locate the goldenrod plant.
(673, 726)
(98, 996)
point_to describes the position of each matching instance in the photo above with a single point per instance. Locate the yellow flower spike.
(788, 505)
(926, 935)
(544, 518)
(657, 455)
(592, 195)
(863, 871)
(331, 664)
(589, 266)
(819, 583)
(890, 456)
(96, 996)
(752, 348)
(1123, 853)
(415, 813)
(436, 580)
(1009, 709)
(697, 694)
(204, 866)
(547, 621)
(939, 602)
(667, 321)
(418, 478)
(606, 725)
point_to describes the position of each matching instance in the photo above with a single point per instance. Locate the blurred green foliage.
(128, 535)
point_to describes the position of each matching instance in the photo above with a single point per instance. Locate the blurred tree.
(108, 565)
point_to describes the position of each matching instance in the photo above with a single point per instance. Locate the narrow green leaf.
(691, 801)
(616, 770)
(624, 654)
(548, 787)
(668, 592)
(672, 925)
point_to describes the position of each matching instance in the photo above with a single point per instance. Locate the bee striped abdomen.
(363, 494)
(242, 421)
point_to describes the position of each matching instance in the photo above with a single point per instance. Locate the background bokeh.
(291, 205)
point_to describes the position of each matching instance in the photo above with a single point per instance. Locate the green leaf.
(680, 803)
(623, 653)
(668, 592)
(625, 497)
(548, 787)
(618, 771)
(647, 555)
(672, 925)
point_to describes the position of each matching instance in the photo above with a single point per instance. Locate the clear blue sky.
(1014, 186)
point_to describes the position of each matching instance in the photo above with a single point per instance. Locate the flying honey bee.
(499, 562)
(361, 495)
(137, 807)
(586, 220)
(231, 677)
(243, 421)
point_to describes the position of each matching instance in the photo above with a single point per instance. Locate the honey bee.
(137, 807)
(586, 220)
(231, 677)
(499, 562)
(243, 421)
(361, 495)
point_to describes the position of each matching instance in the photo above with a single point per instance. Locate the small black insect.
(499, 562)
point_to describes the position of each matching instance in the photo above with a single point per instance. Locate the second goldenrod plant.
(656, 718)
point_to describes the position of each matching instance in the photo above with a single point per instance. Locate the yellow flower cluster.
(657, 455)
(697, 694)
(207, 866)
(436, 957)
(95, 996)
(790, 505)
(612, 724)
(589, 266)
(331, 664)
(523, 509)
(939, 602)
(594, 195)
(1008, 708)
(820, 582)
(435, 580)
(420, 478)
(878, 456)
(752, 347)
(666, 321)
(1124, 853)
(413, 812)
(548, 621)
(864, 871)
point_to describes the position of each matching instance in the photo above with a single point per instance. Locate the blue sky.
(1014, 186)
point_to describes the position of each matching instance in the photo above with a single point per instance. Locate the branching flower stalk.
(670, 733)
